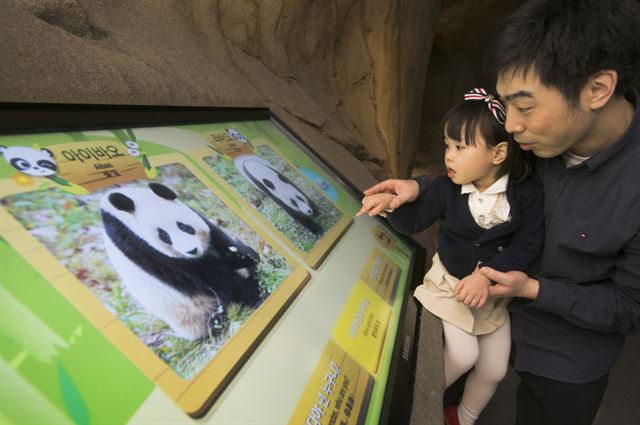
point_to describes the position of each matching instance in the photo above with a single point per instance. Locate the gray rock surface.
(344, 75)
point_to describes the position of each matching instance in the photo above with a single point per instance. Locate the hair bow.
(494, 104)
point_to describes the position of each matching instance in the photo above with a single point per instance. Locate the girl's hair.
(464, 119)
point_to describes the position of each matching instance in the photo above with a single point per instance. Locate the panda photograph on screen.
(179, 266)
(276, 186)
(175, 262)
(273, 182)
(279, 188)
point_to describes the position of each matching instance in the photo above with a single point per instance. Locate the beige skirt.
(436, 295)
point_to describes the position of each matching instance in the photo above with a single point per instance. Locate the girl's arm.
(428, 207)
(377, 204)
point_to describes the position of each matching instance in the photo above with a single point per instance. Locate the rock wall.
(462, 33)
(344, 75)
(348, 76)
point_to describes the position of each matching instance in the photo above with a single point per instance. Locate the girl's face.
(470, 164)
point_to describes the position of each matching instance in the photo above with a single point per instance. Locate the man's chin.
(544, 152)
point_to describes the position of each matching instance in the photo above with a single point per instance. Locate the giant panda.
(279, 188)
(175, 262)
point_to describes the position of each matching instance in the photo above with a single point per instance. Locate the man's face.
(539, 117)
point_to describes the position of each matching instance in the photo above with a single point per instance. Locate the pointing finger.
(362, 211)
(376, 210)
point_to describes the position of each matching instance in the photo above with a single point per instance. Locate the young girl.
(490, 214)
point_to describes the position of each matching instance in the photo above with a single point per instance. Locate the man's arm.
(608, 306)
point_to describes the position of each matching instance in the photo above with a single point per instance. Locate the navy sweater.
(462, 243)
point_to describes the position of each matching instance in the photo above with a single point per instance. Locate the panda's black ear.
(283, 178)
(48, 152)
(163, 191)
(122, 202)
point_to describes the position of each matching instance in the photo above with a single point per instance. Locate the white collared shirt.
(571, 159)
(490, 207)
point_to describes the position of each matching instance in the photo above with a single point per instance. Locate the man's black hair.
(565, 42)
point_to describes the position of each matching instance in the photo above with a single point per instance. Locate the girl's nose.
(447, 157)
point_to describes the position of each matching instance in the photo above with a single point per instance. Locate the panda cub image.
(175, 262)
(279, 188)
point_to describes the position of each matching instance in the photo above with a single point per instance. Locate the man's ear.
(500, 153)
(600, 87)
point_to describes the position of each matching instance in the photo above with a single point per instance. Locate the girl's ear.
(500, 153)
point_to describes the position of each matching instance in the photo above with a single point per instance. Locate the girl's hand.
(376, 204)
(473, 290)
(405, 191)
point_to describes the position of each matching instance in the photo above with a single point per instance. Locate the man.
(564, 68)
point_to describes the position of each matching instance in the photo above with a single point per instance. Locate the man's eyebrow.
(513, 96)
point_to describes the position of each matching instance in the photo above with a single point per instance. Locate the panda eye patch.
(47, 164)
(284, 179)
(186, 228)
(268, 183)
(20, 164)
(300, 197)
(164, 236)
(294, 203)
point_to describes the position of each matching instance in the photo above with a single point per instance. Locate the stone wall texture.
(345, 75)
(363, 79)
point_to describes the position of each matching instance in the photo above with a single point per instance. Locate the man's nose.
(513, 124)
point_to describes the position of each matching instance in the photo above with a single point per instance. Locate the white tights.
(488, 353)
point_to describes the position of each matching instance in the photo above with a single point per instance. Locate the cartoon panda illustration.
(34, 162)
(175, 262)
(235, 134)
(128, 138)
(279, 188)
(38, 163)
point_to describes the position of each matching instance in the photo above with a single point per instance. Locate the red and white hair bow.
(494, 104)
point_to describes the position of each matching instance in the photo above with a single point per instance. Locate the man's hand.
(511, 284)
(405, 191)
(473, 290)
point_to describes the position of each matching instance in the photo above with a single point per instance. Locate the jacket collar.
(498, 186)
(629, 137)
